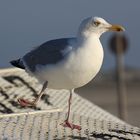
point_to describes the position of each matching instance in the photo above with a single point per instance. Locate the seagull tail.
(17, 63)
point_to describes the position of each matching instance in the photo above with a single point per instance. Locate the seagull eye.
(97, 23)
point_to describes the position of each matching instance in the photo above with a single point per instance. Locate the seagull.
(67, 63)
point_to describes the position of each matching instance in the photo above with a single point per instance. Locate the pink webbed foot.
(71, 125)
(26, 103)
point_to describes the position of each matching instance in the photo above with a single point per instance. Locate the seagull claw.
(71, 125)
(26, 103)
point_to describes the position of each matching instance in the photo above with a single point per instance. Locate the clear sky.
(28, 23)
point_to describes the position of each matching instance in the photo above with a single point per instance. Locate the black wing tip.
(17, 63)
(13, 62)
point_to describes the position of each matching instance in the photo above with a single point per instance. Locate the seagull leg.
(66, 122)
(27, 103)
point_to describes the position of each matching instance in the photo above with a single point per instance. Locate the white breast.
(85, 63)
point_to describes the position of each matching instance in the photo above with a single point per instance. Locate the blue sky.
(27, 24)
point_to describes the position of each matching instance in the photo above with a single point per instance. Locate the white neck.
(88, 39)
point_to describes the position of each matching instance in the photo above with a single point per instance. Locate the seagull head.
(98, 26)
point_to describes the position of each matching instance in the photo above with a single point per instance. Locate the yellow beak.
(117, 28)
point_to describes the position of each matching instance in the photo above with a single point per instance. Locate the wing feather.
(48, 53)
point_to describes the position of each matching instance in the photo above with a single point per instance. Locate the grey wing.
(48, 53)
